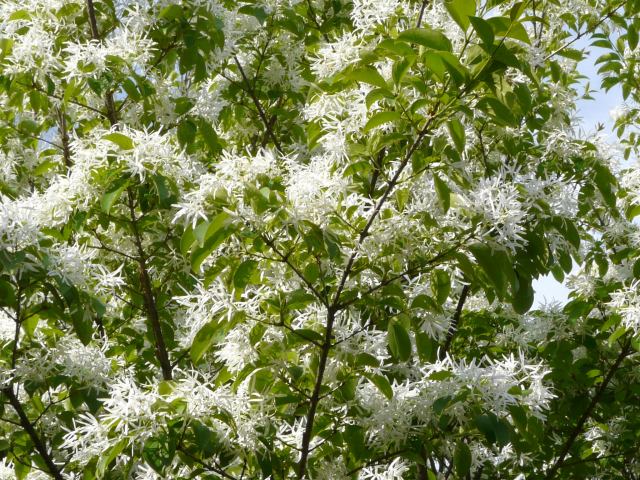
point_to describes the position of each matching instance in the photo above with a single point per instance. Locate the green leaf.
(120, 139)
(187, 130)
(171, 12)
(206, 440)
(243, 274)
(440, 285)
(158, 452)
(218, 230)
(496, 265)
(355, 441)
(108, 456)
(255, 11)
(163, 186)
(444, 193)
(299, 299)
(605, 181)
(462, 459)
(382, 383)
(456, 130)
(212, 332)
(113, 194)
(381, 118)
(82, 324)
(7, 294)
(504, 27)
(368, 75)
(524, 295)
(484, 31)
(460, 11)
(400, 69)
(486, 426)
(427, 38)
(426, 347)
(399, 341)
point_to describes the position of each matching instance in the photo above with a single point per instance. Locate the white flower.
(7, 327)
(86, 363)
(236, 350)
(392, 471)
(6, 470)
(498, 202)
(367, 14)
(336, 56)
(627, 303)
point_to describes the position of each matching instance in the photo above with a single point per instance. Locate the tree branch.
(145, 279)
(147, 294)
(267, 124)
(454, 322)
(577, 430)
(39, 444)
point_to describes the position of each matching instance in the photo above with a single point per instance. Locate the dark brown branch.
(16, 336)
(577, 430)
(39, 444)
(256, 102)
(147, 294)
(421, 14)
(91, 14)
(64, 137)
(315, 396)
(333, 308)
(454, 322)
(145, 279)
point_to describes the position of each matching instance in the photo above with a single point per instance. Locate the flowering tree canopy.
(296, 239)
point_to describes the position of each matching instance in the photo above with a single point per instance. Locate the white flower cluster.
(626, 302)
(489, 382)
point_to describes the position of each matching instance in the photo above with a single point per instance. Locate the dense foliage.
(297, 239)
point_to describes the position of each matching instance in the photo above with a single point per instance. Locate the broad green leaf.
(356, 444)
(426, 347)
(399, 341)
(484, 31)
(108, 456)
(444, 193)
(440, 285)
(460, 11)
(186, 132)
(212, 332)
(456, 130)
(218, 230)
(427, 38)
(216, 234)
(7, 294)
(243, 274)
(187, 240)
(462, 459)
(166, 196)
(400, 69)
(382, 383)
(504, 27)
(171, 12)
(524, 296)
(496, 265)
(368, 75)
(158, 452)
(113, 194)
(120, 139)
(82, 323)
(381, 118)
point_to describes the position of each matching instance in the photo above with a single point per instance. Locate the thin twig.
(577, 430)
